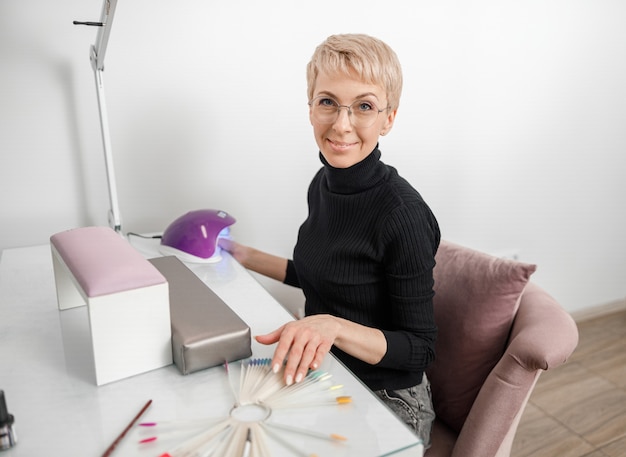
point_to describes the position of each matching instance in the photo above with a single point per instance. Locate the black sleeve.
(291, 277)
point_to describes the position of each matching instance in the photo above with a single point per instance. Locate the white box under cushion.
(126, 297)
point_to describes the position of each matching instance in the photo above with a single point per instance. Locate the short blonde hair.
(372, 59)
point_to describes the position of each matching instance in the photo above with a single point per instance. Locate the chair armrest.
(543, 335)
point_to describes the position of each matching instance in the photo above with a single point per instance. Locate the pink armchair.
(497, 333)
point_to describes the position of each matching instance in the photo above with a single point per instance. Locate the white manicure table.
(59, 411)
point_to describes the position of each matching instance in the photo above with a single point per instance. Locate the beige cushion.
(476, 298)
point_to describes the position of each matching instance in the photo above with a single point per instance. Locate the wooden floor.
(579, 409)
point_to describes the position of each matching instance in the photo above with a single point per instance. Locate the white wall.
(511, 122)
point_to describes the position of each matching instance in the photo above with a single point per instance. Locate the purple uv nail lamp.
(193, 236)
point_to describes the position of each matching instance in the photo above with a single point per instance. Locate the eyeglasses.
(362, 113)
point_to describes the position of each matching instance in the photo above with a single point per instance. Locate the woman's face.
(342, 144)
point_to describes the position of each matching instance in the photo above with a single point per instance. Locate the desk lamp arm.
(114, 212)
(96, 56)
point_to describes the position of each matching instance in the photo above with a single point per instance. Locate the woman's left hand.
(303, 343)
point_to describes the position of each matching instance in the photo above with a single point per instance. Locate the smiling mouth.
(340, 145)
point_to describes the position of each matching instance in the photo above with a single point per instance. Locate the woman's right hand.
(238, 251)
(258, 261)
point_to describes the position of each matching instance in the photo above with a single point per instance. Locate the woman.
(364, 257)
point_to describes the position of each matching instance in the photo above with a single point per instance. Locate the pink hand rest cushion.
(476, 299)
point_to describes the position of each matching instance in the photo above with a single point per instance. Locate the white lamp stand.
(98, 51)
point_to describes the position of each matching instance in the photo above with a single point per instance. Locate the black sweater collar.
(357, 178)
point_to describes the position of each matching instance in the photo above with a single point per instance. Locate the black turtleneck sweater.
(366, 253)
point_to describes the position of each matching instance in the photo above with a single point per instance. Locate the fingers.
(270, 338)
(321, 352)
(225, 243)
(301, 355)
(299, 349)
(282, 349)
(238, 251)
